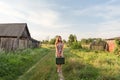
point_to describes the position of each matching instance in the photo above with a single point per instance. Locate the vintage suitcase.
(60, 60)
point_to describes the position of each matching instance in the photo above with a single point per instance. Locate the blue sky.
(47, 18)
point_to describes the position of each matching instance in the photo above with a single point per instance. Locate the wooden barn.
(14, 36)
(99, 45)
(112, 44)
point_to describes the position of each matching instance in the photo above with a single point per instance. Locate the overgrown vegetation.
(76, 45)
(81, 65)
(117, 50)
(45, 69)
(14, 64)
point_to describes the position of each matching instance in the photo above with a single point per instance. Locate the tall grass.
(14, 64)
(79, 65)
(45, 69)
(82, 65)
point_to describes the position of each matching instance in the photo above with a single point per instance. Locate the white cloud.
(45, 18)
(106, 11)
(42, 14)
(8, 10)
(109, 12)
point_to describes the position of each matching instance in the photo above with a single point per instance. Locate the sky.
(48, 18)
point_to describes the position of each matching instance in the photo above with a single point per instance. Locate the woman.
(59, 51)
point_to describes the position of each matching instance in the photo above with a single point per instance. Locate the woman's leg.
(59, 68)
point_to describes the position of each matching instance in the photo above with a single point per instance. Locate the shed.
(99, 45)
(112, 44)
(35, 43)
(15, 36)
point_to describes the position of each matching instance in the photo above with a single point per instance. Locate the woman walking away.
(59, 51)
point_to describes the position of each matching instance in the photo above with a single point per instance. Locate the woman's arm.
(62, 50)
(56, 50)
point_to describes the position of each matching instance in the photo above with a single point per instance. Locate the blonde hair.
(57, 40)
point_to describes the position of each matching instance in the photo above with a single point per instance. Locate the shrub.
(76, 45)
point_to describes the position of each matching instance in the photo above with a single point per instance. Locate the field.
(39, 64)
(14, 64)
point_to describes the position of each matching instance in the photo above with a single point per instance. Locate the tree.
(45, 41)
(76, 45)
(64, 41)
(72, 38)
(52, 41)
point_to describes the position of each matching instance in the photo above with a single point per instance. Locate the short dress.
(59, 49)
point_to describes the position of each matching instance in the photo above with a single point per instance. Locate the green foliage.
(14, 64)
(52, 41)
(45, 42)
(64, 41)
(87, 41)
(117, 50)
(117, 43)
(76, 45)
(82, 65)
(79, 65)
(72, 38)
(45, 69)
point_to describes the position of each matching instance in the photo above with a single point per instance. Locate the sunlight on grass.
(39, 64)
(103, 64)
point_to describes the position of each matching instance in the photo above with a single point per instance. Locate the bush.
(76, 45)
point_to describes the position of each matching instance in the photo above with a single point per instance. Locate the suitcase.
(60, 60)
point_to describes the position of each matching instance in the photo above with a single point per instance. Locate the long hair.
(57, 40)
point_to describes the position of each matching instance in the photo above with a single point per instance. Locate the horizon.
(46, 19)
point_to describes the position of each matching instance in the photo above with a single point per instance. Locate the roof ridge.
(11, 23)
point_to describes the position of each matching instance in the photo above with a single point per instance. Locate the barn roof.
(34, 40)
(113, 38)
(13, 29)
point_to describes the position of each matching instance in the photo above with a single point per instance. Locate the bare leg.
(59, 68)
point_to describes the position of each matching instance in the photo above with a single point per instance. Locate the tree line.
(73, 42)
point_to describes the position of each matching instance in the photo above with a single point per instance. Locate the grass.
(39, 64)
(14, 64)
(91, 66)
(45, 69)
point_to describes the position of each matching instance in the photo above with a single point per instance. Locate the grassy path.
(79, 65)
(44, 69)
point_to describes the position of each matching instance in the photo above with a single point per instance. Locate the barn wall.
(11, 44)
(8, 44)
(97, 48)
(29, 43)
(111, 45)
(24, 43)
(35, 44)
(25, 33)
(0, 44)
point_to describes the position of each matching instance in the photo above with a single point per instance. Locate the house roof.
(34, 40)
(113, 38)
(13, 29)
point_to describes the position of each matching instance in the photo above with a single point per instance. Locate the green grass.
(82, 65)
(14, 64)
(45, 69)
(39, 64)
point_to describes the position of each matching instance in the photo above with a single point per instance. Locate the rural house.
(112, 44)
(99, 45)
(15, 36)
